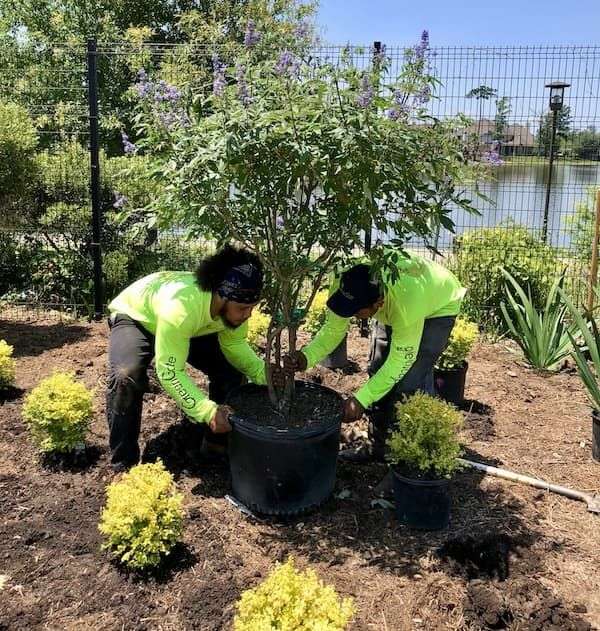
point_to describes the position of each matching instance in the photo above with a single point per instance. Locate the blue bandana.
(242, 284)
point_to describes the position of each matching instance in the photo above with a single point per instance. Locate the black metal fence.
(56, 231)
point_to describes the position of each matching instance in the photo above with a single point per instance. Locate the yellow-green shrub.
(463, 336)
(143, 516)
(426, 438)
(7, 365)
(317, 313)
(58, 412)
(258, 327)
(292, 600)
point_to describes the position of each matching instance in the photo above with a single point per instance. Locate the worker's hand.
(278, 375)
(295, 362)
(220, 421)
(353, 410)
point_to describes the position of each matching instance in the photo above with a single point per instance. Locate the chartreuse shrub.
(315, 317)
(426, 440)
(464, 335)
(258, 327)
(480, 255)
(58, 412)
(292, 600)
(143, 516)
(7, 365)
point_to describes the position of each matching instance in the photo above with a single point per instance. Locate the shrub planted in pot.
(291, 157)
(451, 371)
(293, 600)
(423, 451)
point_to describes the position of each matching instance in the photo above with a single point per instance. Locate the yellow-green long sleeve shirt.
(173, 307)
(424, 289)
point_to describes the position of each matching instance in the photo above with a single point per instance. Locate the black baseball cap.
(357, 290)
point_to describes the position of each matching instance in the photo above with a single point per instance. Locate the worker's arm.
(327, 339)
(404, 347)
(240, 355)
(172, 347)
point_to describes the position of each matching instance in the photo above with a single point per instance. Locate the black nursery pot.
(450, 384)
(596, 435)
(279, 469)
(422, 504)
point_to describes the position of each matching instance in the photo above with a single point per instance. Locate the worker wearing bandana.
(177, 318)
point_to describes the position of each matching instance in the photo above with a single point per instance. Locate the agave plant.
(590, 335)
(544, 336)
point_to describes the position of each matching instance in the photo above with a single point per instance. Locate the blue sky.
(461, 22)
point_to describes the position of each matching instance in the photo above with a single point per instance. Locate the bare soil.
(513, 557)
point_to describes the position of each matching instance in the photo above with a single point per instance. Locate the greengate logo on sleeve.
(169, 375)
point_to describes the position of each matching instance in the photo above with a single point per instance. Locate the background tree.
(563, 128)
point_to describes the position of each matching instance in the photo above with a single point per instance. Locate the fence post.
(92, 77)
(594, 265)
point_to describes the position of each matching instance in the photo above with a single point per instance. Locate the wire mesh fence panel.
(541, 221)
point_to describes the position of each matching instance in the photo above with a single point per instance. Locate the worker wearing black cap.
(415, 307)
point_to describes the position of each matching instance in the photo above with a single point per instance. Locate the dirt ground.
(513, 557)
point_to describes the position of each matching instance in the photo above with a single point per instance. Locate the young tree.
(501, 121)
(294, 157)
(563, 128)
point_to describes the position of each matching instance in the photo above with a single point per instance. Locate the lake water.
(518, 192)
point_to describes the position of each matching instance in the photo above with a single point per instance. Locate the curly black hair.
(212, 270)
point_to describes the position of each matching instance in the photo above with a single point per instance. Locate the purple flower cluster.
(423, 95)
(279, 223)
(422, 47)
(161, 91)
(366, 94)
(219, 81)
(302, 30)
(172, 118)
(492, 158)
(242, 85)
(128, 147)
(251, 36)
(120, 200)
(287, 64)
(379, 55)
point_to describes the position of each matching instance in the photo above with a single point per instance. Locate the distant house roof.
(514, 135)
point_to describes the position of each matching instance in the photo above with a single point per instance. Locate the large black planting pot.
(422, 504)
(596, 435)
(450, 384)
(284, 470)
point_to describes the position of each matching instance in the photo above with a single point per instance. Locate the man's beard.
(226, 322)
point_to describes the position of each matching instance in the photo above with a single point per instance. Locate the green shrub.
(292, 600)
(58, 412)
(7, 365)
(426, 439)
(580, 226)
(480, 254)
(464, 335)
(11, 272)
(18, 141)
(317, 313)
(258, 327)
(143, 516)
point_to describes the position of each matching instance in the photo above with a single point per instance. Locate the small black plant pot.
(450, 384)
(422, 504)
(284, 468)
(596, 435)
(338, 358)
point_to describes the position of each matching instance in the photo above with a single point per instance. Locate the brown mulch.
(513, 557)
